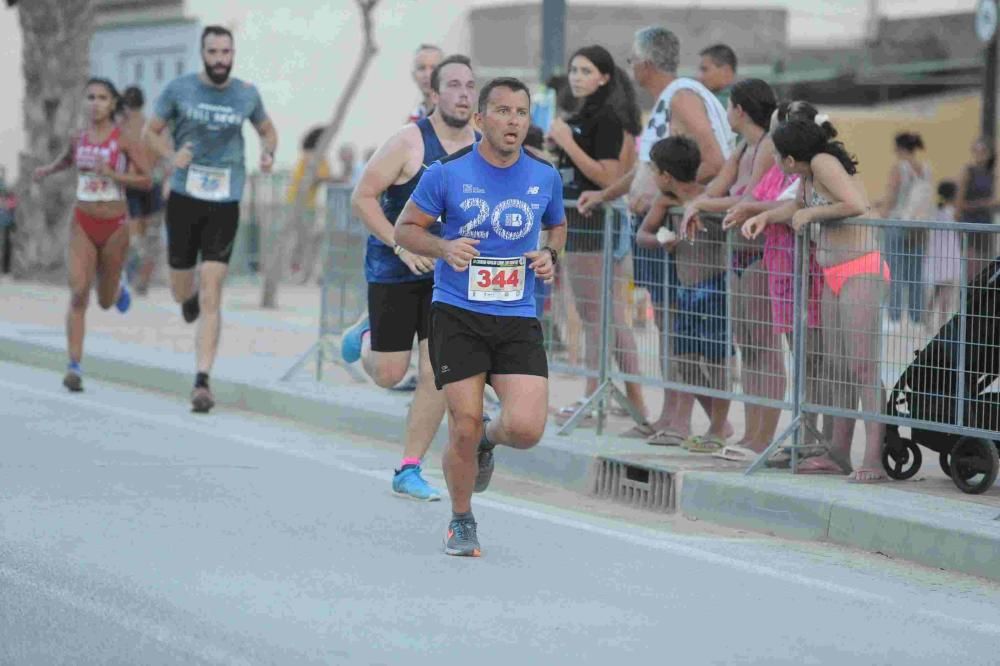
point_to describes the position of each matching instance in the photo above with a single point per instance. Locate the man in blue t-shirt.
(493, 199)
(206, 111)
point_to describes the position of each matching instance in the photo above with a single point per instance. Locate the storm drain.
(633, 485)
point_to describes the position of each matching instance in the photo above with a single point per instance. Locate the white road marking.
(638, 537)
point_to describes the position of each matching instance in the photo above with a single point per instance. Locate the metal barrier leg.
(800, 327)
(604, 384)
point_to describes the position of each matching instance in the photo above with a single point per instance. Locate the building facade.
(145, 43)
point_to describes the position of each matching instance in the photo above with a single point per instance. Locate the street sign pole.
(553, 37)
(990, 91)
(987, 16)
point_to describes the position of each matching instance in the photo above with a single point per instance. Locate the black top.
(600, 136)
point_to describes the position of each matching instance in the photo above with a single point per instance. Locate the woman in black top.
(593, 146)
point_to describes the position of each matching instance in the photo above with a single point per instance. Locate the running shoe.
(461, 539)
(409, 483)
(202, 400)
(190, 309)
(350, 343)
(124, 301)
(485, 472)
(73, 381)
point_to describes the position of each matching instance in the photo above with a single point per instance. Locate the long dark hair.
(119, 103)
(757, 100)
(803, 140)
(626, 104)
(596, 101)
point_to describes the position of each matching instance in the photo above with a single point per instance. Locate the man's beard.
(215, 78)
(453, 121)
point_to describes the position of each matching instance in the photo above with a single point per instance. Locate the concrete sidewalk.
(925, 520)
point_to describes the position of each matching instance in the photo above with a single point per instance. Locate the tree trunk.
(277, 258)
(56, 48)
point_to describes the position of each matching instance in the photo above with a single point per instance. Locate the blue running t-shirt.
(211, 119)
(505, 209)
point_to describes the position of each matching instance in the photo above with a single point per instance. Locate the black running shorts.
(464, 344)
(195, 226)
(143, 203)
(397, 311)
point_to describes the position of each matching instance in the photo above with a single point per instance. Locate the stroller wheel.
(974, 465)
(901, 458)
(944, 458)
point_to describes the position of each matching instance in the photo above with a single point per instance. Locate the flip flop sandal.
(666, 438)
(811, 466)
(736, 453)
(566, 413)
(639, 431)
(705, 444)
(880, 477)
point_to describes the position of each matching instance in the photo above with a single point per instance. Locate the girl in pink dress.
(773, 189)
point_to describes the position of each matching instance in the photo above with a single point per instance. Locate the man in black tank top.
(400, 283)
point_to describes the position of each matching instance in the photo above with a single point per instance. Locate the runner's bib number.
(208, 183)
(494, 279)
(92, 187)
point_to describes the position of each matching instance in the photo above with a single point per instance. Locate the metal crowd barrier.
(774, 335)
(343, 289)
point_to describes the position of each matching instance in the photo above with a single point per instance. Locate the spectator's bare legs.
(763, 363)
(625, 348)
(673, 408)
(584, 272)
(860, 308)
(852, 340)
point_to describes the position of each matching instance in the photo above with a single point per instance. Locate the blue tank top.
(381, 263)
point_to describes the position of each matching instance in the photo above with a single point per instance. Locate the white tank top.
(658, 126)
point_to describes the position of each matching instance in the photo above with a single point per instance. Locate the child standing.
(943, 260)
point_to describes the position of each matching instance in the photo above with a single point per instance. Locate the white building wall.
(148, 55)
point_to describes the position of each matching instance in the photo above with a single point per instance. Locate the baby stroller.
(928, 391)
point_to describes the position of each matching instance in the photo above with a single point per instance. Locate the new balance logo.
(533, 189)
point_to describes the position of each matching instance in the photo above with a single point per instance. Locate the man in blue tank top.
(400, 283)
(493, 199)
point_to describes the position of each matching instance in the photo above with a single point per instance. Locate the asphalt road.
(132, 532)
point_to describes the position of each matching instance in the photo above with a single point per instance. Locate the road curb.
(934, 531)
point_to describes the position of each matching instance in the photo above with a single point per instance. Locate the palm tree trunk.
(56, 48)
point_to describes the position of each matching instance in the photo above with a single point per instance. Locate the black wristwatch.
(555, 255)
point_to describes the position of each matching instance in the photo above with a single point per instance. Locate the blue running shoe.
(409, 483)
(350, 343)
(124, 301)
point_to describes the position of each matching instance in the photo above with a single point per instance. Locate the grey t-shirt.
(211, 119)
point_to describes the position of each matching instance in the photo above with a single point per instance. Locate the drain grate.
(634, 485)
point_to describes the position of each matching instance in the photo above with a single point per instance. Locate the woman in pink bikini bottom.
(855, 283)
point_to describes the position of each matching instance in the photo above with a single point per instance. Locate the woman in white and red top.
(106, 164)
